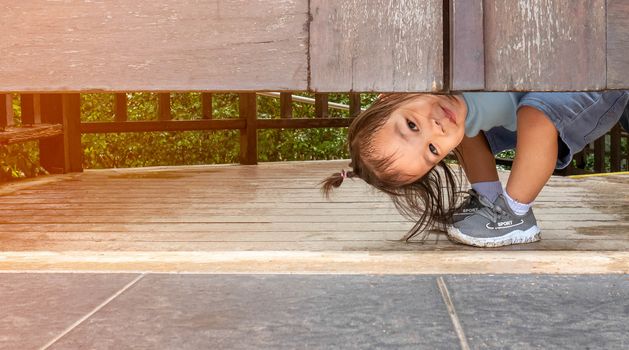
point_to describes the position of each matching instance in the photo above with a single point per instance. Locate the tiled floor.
(200, 311)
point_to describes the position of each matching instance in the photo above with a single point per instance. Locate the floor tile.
(37, 307)
(543, 312)
(271, 312)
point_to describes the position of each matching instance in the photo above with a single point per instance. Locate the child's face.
(420, 133)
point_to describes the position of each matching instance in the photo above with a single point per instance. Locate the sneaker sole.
(514, 237)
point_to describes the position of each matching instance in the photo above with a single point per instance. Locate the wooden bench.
(54, 52)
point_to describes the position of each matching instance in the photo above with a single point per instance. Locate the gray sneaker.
(471, 204)
(495, 225)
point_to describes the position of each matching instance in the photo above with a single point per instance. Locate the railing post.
(614, 156)
(599, 154)
(120, 105)
(6, 111)
(206, 105)
(354, 104)
(63, 153)
(249, 135)
(31, 110)
(163, 107)
(286, 105)
(321, 105)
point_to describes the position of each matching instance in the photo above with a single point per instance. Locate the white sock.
(517, 207)
(489, 189)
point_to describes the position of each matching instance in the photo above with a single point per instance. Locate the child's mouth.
(449, 115)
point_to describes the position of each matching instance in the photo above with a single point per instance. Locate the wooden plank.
(350, 262)
(249, 136)
(6, 111)
(545, 45)
(145, 45)
(303, 123)
(467, 54)
(617, 44)
(280, 208)
(377, 45)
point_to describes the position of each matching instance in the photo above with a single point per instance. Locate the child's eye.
(433, 149)
(411, 125)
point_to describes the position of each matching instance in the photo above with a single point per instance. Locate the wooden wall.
(376, 45)
(163, 45)
(317, 45)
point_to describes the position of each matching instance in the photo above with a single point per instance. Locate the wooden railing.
(55, 120)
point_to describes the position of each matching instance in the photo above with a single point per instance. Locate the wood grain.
(467, 50)
(271, 207)
(168, 45)
(23, 134)
(617, 44)
(545, 45)
(376, 45)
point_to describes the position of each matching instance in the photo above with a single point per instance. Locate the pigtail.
(333, 181)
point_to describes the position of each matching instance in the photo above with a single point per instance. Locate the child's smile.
(420, 133)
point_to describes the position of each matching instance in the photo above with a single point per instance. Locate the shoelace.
(489, 210)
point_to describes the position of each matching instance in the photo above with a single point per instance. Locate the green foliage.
(198, 147)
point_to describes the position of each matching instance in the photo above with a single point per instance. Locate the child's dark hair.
(428, 201)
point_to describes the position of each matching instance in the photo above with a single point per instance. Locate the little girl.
(398, 145)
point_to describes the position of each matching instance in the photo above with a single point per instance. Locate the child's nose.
(437, 127)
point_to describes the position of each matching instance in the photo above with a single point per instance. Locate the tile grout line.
(82, 319)
(458, 328)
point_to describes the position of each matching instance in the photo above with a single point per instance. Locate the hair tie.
(343, 174)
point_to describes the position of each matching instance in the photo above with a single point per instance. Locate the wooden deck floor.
(272, 218)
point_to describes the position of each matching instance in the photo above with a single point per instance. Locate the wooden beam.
(153, 125)
(146, 45)
(467, 46)
(248, 136)
(545, 45)
(303, 123)
(617, 44)
(378, 45)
